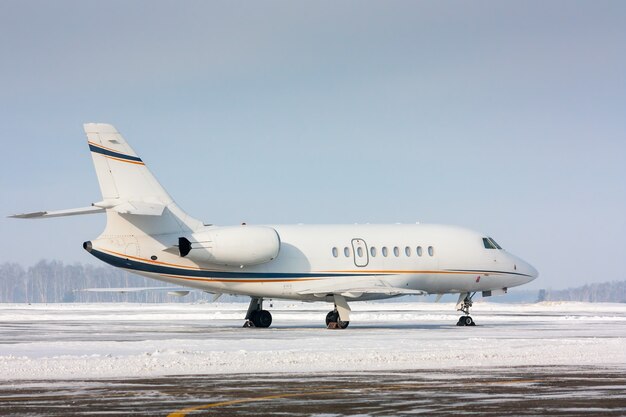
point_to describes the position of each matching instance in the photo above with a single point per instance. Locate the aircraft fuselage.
(318, 259)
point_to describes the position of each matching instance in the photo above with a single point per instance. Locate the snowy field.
(67, 341)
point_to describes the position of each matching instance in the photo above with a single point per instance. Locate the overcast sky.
(508, 118)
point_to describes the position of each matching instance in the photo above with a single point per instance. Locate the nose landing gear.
(465, 321)
(464, 304)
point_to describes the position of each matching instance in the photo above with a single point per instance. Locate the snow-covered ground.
(59, 341)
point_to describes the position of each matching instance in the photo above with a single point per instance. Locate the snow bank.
(128, 340)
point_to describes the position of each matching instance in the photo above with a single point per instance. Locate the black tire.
(342, 324)
(468, 321)
(264, 319)
(332, 317)
(261, 318)
(254, 318)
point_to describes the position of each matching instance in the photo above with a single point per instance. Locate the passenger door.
(359, 250)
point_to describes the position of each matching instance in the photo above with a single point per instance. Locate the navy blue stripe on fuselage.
(107, 152)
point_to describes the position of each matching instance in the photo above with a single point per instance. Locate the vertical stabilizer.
(134, 200)
(121, 173)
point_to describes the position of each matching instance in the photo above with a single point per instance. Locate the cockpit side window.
(495, 243)
(489, 243)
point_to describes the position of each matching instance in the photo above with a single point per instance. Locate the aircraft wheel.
(466, 321)
(332, 317)
(262, 318)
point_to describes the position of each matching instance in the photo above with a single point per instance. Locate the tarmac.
(521, 391)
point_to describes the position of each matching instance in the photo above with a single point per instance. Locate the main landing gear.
(464, 304)
(342, 310)
(256, 316)
(333, 322)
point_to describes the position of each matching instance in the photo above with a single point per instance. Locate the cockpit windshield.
(490, 243)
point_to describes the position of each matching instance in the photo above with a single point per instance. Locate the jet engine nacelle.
(233, 245)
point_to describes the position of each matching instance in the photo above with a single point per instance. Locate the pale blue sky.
(508, 118)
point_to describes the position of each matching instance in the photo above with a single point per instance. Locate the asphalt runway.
(534, 391)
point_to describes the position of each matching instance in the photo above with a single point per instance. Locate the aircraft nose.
(528, 270)
(524, 270)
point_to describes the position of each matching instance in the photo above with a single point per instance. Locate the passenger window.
(335, 252)
(359, 251)
(396, 251)
(346, 251)
(384, 251)
(419, 251)
(431, 251)
(407, 251)
(373, 251)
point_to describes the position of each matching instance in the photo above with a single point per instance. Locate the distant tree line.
(605, 292)
(55, 282)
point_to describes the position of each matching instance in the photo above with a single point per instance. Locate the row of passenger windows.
(408, 251)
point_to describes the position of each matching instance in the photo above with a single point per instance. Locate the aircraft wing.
(356, 292)
(123, 290)
(176, 291)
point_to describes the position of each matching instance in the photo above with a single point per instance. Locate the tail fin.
(121, 173)
(134, 200)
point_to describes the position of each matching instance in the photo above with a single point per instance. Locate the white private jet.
(148, 234)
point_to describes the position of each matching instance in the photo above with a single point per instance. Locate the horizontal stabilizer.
(140, 208)
(59, 213)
